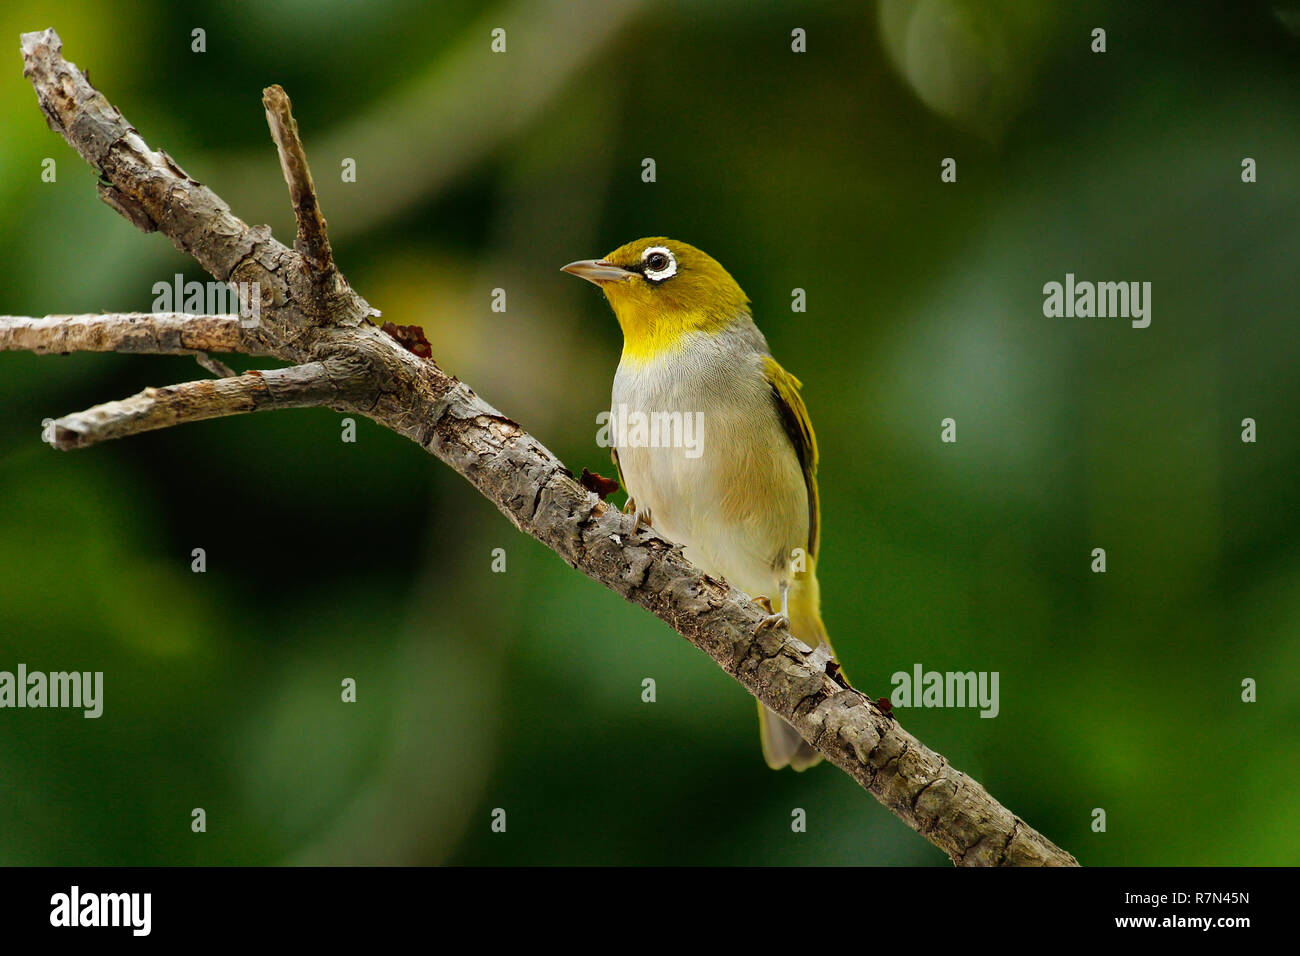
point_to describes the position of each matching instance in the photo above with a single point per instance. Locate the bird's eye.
(658, 264)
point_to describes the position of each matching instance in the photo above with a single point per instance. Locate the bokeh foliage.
(821, 171)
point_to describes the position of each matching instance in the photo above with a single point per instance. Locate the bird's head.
(660, 290)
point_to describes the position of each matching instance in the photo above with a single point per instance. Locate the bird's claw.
(641, 517)
(774, 617)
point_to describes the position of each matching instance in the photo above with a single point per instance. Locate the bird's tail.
(782, 744)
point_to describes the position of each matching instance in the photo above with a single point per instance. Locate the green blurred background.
(820, 171)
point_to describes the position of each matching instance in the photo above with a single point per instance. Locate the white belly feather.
(741, 507)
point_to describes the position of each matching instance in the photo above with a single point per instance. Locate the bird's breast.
(701, 448)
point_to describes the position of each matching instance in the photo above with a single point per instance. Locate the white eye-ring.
(658, 264)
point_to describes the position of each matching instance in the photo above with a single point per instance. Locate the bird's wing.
(794, 418)
(613, 455)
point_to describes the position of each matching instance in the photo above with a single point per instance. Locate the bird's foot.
(641, 515)
(774, 617)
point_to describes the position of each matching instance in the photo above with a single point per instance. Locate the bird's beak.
(597, 270)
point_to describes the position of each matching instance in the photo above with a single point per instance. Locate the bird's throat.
(649, 333)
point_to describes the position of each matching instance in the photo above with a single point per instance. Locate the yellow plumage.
(739, 489)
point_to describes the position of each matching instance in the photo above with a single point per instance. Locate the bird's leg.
(642, 514)
(773, 618)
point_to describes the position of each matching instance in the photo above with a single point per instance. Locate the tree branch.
(303, 322)
(313, 240)
(145, 333)
(298, 386)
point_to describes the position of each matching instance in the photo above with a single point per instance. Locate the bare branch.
(365, 371)
(145, 333)
(153, 192)
(215, 366)
(299, 386)
(313, 241)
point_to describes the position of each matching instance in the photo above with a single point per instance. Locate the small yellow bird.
(712, 440)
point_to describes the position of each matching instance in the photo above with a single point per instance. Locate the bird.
(730, 474)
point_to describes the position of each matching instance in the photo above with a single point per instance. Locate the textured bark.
(348, 364)
(297, 386)
(158, 333)
(313, 239)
